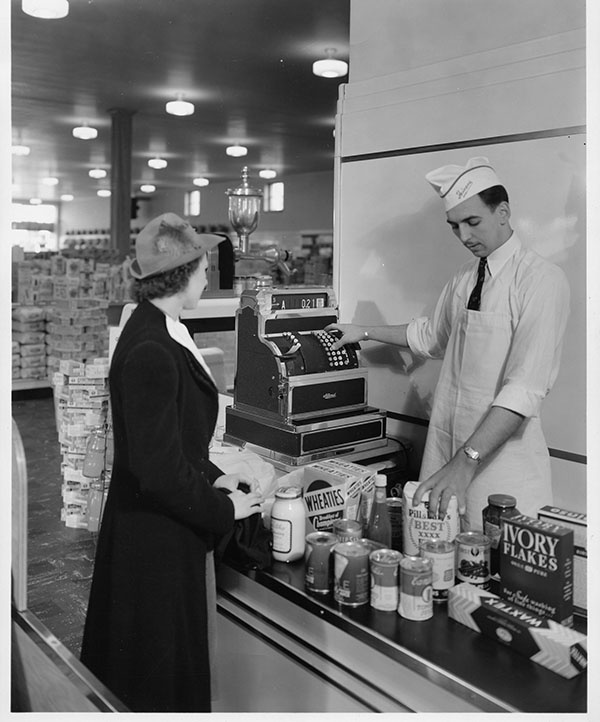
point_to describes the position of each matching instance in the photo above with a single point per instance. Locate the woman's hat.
(166, 243)
(455, 183)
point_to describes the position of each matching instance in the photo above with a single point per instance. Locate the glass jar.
(288, 524)
(500, 506)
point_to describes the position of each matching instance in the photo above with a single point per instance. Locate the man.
(498, 326)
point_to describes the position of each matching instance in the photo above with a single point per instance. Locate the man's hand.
(452, 479)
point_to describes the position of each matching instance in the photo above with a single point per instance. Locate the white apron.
(470, 378)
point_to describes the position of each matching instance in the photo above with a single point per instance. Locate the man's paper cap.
(455, 183)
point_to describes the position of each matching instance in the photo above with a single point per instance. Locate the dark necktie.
(475, 297)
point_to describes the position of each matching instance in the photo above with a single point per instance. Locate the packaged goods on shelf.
(332, 490)
(544, 641)
(81, 399)
(28, 343)
(536, 567)
(578, 523)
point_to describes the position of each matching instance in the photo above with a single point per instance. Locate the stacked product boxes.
(81, 398)
(76, 329)
(28, 343)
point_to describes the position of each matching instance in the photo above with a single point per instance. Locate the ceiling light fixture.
(50, 181)
(97, 173)
(267, 173)
(85, 132)
(67, 197)
(46, 9)
(237, 151)
(157, 163)
(147, 188)
(179, 106)
(20, 150)
(200, 182)
(35, 201)
(103, 193)
(330, 67)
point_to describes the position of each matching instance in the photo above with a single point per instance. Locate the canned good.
(394, 505)
(351, 573)
(473, 559)
(318, 570)
(347, 529)
(384, 564)
(416, 601)
(443, 559)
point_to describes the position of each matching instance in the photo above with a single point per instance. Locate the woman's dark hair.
(163, 284)
(494, 196)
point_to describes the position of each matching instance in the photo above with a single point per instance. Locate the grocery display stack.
(28, 343)
(83, 423)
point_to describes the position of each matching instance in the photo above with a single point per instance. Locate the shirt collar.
(500, 256)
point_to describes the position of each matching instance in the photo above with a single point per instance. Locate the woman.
(152, 601)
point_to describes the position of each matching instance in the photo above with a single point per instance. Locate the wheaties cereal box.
(332, 490)
(536, 567)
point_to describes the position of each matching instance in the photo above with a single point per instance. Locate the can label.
(443, 560)
(416, 600)
(318, 574)
(418, 527)
(384, 565)
(347, 529)
(473, 559)
(351, 573)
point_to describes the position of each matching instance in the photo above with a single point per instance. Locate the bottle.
(288, 524)
(110, 446)
(95, 504)
(379, 528)
(93, 463)
(500, 506)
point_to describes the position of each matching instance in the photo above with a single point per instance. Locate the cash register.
(295, 399)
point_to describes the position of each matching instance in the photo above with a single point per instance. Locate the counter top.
(455, 657)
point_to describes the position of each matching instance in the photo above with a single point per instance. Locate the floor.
(60, 559)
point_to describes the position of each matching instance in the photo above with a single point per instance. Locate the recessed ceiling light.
(46, 9)
(20, 150)
(157, 163)
(330, 67)
(97, 173)
(67, 197)
(103, 193)
(147, 188)
(267, 173)
(200, 182)
(85, 132)
(179, 106)
(237, 151)
(50, 181)
(35, 201)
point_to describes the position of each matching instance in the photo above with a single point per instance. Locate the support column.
(120, 180)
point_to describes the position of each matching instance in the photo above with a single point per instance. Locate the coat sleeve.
(167, 479)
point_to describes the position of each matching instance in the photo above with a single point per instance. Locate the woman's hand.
(350, 333)
(452, 479)
(232, 482)
(246, 504)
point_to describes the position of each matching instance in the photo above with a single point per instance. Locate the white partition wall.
(506, 81)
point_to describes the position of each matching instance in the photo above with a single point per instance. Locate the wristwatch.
(472, 454)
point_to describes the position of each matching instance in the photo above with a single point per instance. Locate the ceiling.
(245, 64)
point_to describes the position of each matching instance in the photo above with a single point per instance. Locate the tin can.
(473, 559)
(384, 565)
(443, 558)
(318, 570)
(347, 529)
(394, 505)
(351, 573)
(416, 601)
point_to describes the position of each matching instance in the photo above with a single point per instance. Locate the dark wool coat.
(145, 634)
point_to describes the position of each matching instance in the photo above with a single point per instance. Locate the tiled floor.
(60, 559)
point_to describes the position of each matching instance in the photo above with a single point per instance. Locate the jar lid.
(502, 500)
(288, 492)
